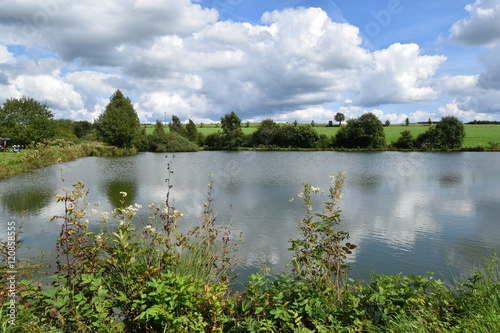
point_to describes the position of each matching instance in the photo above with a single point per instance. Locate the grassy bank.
(145, 275)
(42, 155)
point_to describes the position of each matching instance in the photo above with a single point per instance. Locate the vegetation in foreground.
(148, 276)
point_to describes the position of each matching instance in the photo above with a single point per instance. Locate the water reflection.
(450, 180)
(410, 212)
(29, 200)
(119, 175)
(113, 191)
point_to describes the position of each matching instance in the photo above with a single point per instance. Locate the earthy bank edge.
(147, 276)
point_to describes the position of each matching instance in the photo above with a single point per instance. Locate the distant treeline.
(25, 120)
(484, 122)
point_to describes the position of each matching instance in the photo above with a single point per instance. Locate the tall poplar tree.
(231, 129)
(119, 124)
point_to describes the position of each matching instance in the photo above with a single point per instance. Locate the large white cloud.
(61, 96)
(175, 57)
(398, 74)
(300, 60)
(482, 27)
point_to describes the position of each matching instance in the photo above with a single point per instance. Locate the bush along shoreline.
(40, 155)
(146, 275)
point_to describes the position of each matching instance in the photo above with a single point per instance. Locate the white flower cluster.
(131, 210)
(175, 215)
(149, 228)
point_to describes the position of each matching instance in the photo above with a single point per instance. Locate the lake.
(410, 212)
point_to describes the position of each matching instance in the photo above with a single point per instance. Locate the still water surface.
(409, 212)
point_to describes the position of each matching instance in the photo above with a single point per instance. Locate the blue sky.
(281, 59)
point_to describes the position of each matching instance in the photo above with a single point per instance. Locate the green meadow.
(476, 135)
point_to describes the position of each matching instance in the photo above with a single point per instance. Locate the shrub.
(405, 141)
(449, 133)
(174, 142)
(366, 131)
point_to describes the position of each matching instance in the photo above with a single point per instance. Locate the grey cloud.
(92, 31)
(4, 80)
(482, 27)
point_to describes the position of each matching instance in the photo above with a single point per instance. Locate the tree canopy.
(339, 117)
(449, 133)
(231, 129)
(26, 120)
(119, 124)
(266, 133)
(366, 131)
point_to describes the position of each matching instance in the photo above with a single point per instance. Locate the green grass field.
(476, 135)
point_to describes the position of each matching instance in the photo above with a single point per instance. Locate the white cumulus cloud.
(398, 74)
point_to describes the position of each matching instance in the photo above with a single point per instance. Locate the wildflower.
(123, 194)
(315, 189)
(105, 216)
(149, 228)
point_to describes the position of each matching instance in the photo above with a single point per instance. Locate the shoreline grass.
(42, 155)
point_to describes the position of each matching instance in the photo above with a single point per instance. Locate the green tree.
(158, 140)
(161, 141)
(192, 132)
(407, 122)
(64, 129)
(82, 128)
(387, 122)
(214, 141)
(405, 141)
(266, 133)
(339, 117)
(231, 130)
(305, 137)
(449, 133)
(285, 135)
(366, 131)
(26, 120)
(176, 126)
(119, 124)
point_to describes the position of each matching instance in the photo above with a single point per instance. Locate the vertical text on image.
(11, 273)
